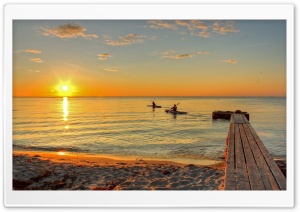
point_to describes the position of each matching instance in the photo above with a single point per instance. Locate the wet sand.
(52, 171)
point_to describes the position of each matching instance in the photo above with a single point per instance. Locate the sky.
(149, 58)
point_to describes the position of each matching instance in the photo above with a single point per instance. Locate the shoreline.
(97, 157)
(53, 171)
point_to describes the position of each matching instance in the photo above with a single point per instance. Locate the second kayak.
(175, 112)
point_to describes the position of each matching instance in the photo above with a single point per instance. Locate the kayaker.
(153, 104)
(174, 108)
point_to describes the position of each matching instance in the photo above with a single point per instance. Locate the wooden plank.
(278, 175)
(253, 172)
(236, 118)
(241, 170)
(230, 175)
(265, 172)
(239, 118)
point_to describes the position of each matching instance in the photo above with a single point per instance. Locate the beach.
(56, 171)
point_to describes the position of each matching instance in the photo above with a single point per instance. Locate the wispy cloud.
(179, 56)
(192, 24)
(36, 71)
(158, 24)
(172, 54)
(111, 70)
(229, 61)
(103, 56)
(197, 24)
(126, 40)
(224, 27)
(182, 23)
(199, 28)
(68, 30)
(34, 51)
(36, 60)
(205, 34)
(176, 55)
(203, 52)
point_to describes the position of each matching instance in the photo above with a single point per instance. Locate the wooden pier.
(249, 165)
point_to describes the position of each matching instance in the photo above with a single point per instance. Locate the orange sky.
(149, 58)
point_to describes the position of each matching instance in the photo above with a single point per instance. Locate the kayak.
(175, 112)
(156, 106)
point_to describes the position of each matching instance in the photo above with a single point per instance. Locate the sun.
(65, 87)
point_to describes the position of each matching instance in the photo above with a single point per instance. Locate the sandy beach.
(53, 171)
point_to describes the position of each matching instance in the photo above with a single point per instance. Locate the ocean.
(126, 127)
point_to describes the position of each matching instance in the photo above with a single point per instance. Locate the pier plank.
(230, 174)
(266, 174)
(253, 172)
(278, 175)
(241, 169)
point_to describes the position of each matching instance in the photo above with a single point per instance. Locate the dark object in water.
(227, 114)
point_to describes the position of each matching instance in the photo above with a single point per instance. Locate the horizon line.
(138, 96)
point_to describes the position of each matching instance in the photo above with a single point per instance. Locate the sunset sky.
(149, 58)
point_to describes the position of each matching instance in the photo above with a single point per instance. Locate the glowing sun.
(65, 88)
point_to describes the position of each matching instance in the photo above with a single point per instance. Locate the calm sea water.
(125, 126)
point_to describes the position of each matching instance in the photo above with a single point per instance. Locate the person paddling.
(153, 104)
(174, 108)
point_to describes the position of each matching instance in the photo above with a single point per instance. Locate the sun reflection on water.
(65, 111)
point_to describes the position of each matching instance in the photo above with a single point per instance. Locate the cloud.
(192, 24)
(171, 54)
(36, 71)
(126, 40)
(229, 61)
(103, 56)
(36, 60)
(224, 27)
(206, 29)
(175, 55)
(195, 25)
(32, 51)
(69, 30)
(203, 52)
(158, 24)
(111, 70)
(182, 23)
(205, 34)
(180, 56)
